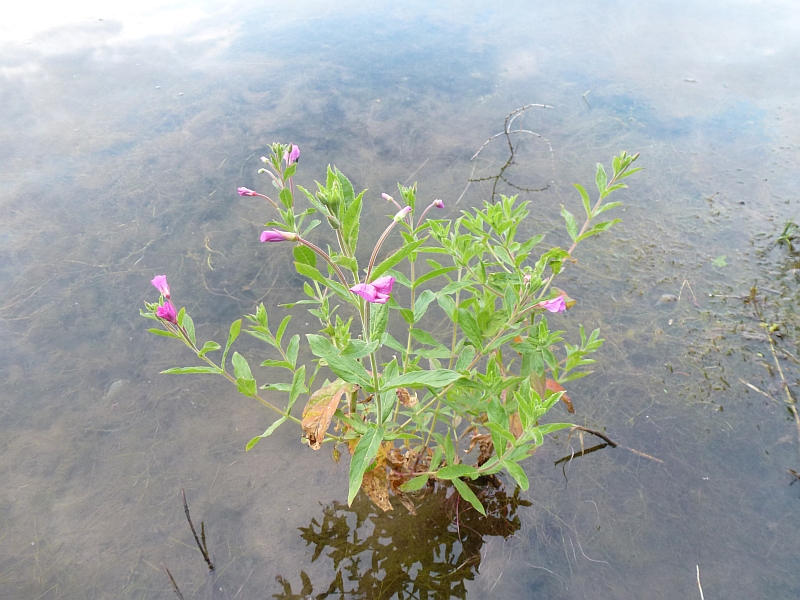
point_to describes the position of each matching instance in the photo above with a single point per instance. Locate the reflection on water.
(121, 147)
(396, 554)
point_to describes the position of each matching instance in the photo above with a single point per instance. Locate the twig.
(507, 131)
(686, 283)
(698, 584)
(202, 546)
(755, 389)
(172, 581)
(602, 436)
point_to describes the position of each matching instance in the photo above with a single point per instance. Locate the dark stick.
(172, 581)
(602, 436)
(203, 549)
(581, 453)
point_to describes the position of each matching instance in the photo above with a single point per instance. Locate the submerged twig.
(202, 546)
(507, 131)
(172, 581)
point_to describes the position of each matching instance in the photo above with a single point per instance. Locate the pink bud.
(402, 213)
(243, 191)
(167, 312)
(387, 197)
(438, 203)
(278, 236)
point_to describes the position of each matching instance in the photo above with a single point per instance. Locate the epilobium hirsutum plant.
(409, 408)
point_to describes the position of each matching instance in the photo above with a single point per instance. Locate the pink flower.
(243, 191)
(167, 312)
(387, 197)
(554, 305)
(292, 155)
(438, 203)
(376, 292)
(160, 283)
(278, 236)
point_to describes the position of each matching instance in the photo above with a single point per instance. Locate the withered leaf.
(406, 399)
(515, 425)
(376, 485)
(554, 386)
(319, 410)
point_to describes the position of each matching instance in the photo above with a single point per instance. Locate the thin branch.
(202, 546)
(172, 581)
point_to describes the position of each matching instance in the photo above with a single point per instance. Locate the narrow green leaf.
(422, 303)
(378, 320)
(518, 473)
(246, 386)
(188, 325)
(278, 363)
(601, 179)
(352, 219)
(209, 346)
(572, 224)
(449, 449)
(314, 274)
(292, 349)
(298, 386)
(412, 485)
(599, 228)
(240, 367)
(435, 378)
(285, 197)
(607, 206)
(236, 327)
(187, 370)
(396, 258)
(432, 275)
(365, 451)
(468, 495)
(305, 255)
(164, 333)
(282, 329)
(470, 327)
(455, 471)
(348, 369)
(465, 357)
(587, 203)
(270, 430)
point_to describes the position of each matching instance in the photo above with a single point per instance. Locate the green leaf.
(601, 179)
(470, 327)
(188, 325)
(270, 430)
(286, 197)
(305, 255)
(164, 333)
(587, 204)
(599, 228)
(278, 363)
(363, 454)
(378, 320)
(298, 386)
(314, 274)
(208, 347)
(449, 449)
(436, 459)
(432, 275)
(465, 357)
(424, 337)
(422, 303)
(246, 386)
(282, 329)
(352, 218)
(360, 349)
(396, 258)
(350, 370)
(607, 206)
(292, 349)
(435, 378)
(572, 224)
(518, 473)
(240, 367)
(468, 495)
(412, 485)
(236, 327)
(455, 471)
(187, 370)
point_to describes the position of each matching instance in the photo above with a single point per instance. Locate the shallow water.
(122, 143)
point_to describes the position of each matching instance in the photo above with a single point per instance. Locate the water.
(123, 141)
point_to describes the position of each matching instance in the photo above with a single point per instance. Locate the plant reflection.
(396, 554)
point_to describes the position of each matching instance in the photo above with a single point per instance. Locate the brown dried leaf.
(406, 501)
(515, 425)
(484, 442)
(376, 485)
(554, 386)
(406, 399)
(319, 410)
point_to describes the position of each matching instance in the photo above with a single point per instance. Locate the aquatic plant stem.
(203, 547)
(789, 400)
